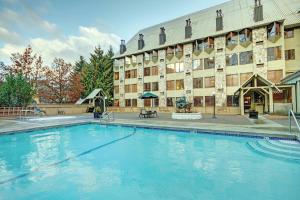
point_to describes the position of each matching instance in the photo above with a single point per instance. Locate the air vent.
(141, 42)
(258, 11)
(122, 47)
(188, 29)
(219, 20)
(162, 36)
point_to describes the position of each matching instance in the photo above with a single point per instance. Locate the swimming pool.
(114, 162)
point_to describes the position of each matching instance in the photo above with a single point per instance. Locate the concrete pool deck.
(227, 124)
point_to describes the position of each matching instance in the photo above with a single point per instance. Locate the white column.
(242, 102)
(294, 99)
(271, 103)
(298, 96)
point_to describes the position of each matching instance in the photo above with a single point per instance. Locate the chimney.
(188, 29)
(122, 47)
(219, 20)
(162, 36)
(141, 42)
(258, 11)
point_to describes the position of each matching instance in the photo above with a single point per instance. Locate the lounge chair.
(144, 114)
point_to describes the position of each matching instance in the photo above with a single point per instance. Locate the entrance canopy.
(96, 94)
(260, 85)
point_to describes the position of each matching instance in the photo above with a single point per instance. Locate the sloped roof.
(92, 95)
(237, 15)
(292, 78)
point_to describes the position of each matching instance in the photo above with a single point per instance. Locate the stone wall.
(162, 78)
(140, 83)
(260, 62)
(188, 71)
(122, 82)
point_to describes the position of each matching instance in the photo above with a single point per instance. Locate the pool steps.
(276, 149)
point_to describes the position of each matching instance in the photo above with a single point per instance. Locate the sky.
(70, 28)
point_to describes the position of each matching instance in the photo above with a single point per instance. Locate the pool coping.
(161, 127)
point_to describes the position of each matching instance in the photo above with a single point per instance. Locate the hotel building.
(238, 51)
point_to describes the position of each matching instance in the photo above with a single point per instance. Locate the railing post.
(290, 121)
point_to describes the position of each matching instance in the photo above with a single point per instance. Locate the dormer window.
(141, 42)
(188, 29)
(231, 40)
(208, 44)
(162, 36)
(274, 31)
(122, 47)
(219, 20)
(258, 11)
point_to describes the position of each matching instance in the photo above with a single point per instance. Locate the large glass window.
(170, 101)
(116, 102)
(274, 30)
(154, 71)
(232, 39)
(134, 103)
(209, 63)
(127, 74)
(232, 101)
(246, 57)
(179, 67)
(285, 96)
(198, 101)
(128, 102)
(197, 64)
(180, 84)
(198, 83)
(147, 87)
(274, 53)
(244, 77)
(232, 59)
(170, 85)
(210, 82)
(275, 76)
(134, 88)
(245, 35)
(290, 54)
(289, 33)
(170, 68)
(127, 89)
(209, 101)
(147, 102)
(155, 86)
(232, 80)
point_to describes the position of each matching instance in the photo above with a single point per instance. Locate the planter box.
(187, 116)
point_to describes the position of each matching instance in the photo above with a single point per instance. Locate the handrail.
(108, 116)
(291, 113)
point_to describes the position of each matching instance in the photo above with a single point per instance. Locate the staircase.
(277, 149)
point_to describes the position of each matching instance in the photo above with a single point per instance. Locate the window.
(274, 30)
(209, 63)
(232, 39)
(209, 101)
(128, 102)
(147, 102)
(133, 73)
(210, 82)
(244, 77)
(117, 76)
(154, 71)
(275, 76)
(198, 82)
(232, 60)
(284, 97)
(232, 80)
(127, 89)
(274, 53)
(246, 57)
(155, 102)
(290, 54)
(232, 101)
(170, 68)
(134, 88)
(208, 43)
(116, 103)
(155, 86)
(127, 74)
(134, 102)
(289, 33)
(198, 101)
(170, 85)
(197, 64)
(147, 71)
(116, 89)
(179, 67)
(147, 87)
(180, 84)
(245, 35)
(170, 101)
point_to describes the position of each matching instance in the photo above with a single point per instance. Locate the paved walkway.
(223, 123)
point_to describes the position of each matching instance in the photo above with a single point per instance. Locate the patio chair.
(154, 113)
(143, 114)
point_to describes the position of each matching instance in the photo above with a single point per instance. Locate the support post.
(242, 102)
(294, 99)
(298, 96)
(271, 103)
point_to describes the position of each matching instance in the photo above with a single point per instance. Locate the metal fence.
(16, 111)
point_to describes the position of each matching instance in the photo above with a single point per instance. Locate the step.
(286, 146)
(266, 146)
(254, 147)
(289, 143)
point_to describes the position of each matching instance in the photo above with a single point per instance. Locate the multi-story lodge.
(237, 52)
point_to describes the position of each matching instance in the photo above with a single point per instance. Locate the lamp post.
(214, 114)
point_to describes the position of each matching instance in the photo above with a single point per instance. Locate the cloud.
(7, 36)
(68, 48)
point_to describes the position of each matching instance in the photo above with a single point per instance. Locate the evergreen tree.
(79, 65)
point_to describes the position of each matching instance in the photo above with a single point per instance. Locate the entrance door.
(247, 104)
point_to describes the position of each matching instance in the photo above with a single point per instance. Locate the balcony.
(245, 37)
(208, 45)
(170, 53)
(232, 40)
(274, 32)
(197, 48)
(179, 51)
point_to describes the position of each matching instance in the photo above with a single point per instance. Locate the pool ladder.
(107, 117)
(293, 116)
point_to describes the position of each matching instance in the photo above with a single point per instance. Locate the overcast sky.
(70, 28)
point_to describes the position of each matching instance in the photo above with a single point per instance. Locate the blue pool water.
(113, 162)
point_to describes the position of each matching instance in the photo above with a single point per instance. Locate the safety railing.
(16, 111)
(293, 116)
(107, 116)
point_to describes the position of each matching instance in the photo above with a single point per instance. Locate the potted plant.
(253, 114)
(97, 112)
